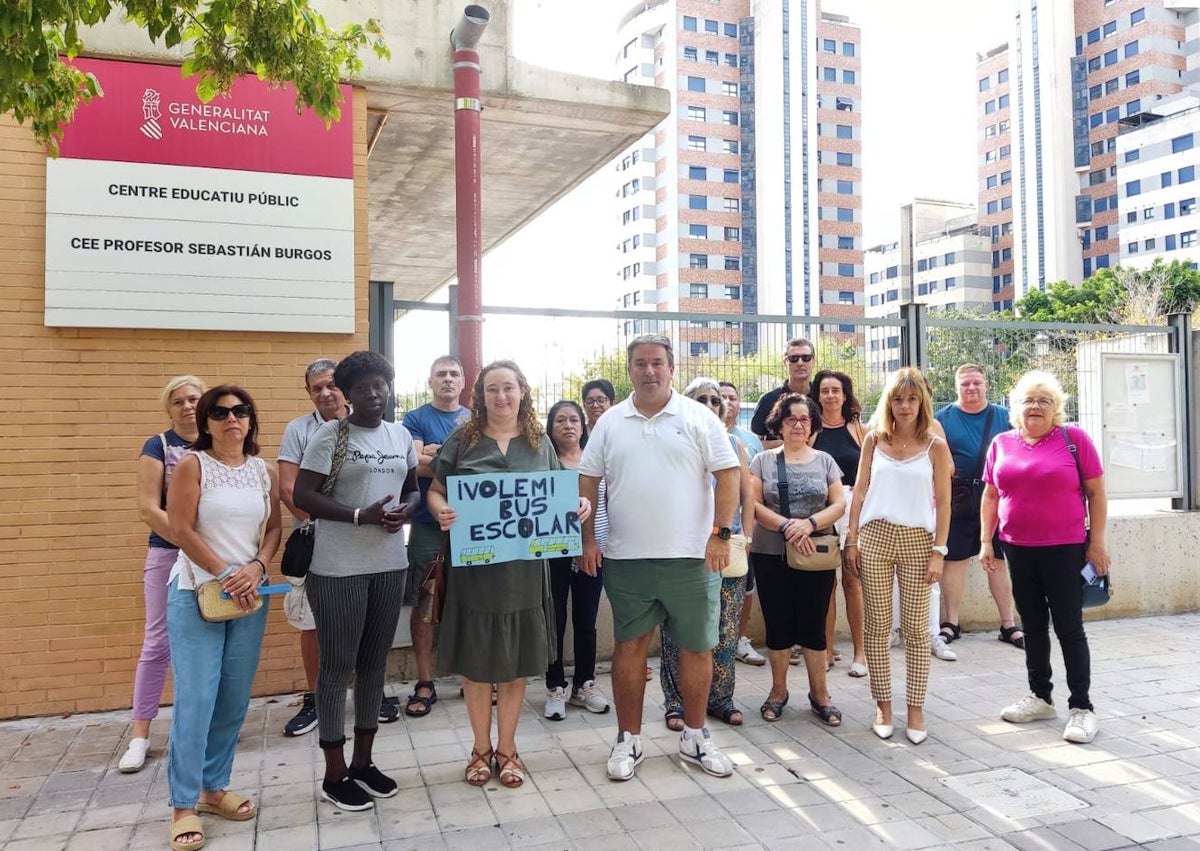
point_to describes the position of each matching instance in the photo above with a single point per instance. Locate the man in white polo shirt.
(668, 539)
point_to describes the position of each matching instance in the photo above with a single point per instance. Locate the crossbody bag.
(828, 553)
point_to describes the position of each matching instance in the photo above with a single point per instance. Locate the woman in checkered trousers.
(899, 522)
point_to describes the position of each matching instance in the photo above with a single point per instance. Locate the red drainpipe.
(468, 201)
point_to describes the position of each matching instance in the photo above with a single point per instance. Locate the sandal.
(512, 771)
(729, 714)
(773, 710)
(229, 807)
(479, 769)
(181, 828)
(1006, 635)
(950, 631)
(418, 706)
(674, 720)
(829, 715)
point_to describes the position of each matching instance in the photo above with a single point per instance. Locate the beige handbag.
(827, 557)
(739, 564)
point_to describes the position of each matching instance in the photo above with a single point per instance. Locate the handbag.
(1095, 593)
(828, 552)
(298, 551)
(966, 492)
(739, 564)
(431, 597)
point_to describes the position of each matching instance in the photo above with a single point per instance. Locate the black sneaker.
(389, 710)
(306, 718)
(373, 781)
(346, 795)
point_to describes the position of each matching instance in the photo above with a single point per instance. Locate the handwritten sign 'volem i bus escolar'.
(514, 517)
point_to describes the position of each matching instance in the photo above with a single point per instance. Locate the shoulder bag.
(214, 607)
(298, 551)
(431, 594)
(966, 492)
(1097, 592)
(828, 555)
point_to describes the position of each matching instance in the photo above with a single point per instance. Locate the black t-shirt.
(839, 442)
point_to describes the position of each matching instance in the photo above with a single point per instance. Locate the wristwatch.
(722, 532)
(943, 551)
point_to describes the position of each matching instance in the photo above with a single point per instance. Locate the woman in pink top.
(1041, 493)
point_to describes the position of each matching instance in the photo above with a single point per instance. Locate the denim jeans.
(584, 592)
(214, 665)
(1047, 585)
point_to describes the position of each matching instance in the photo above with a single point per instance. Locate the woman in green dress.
(498, 622)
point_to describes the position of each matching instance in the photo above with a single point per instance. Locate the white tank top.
(233, 506)
(900, 492)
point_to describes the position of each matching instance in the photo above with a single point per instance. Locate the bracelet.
(224, 574)
(259, 562)
(814, 525)
(783, 525)
(356, 515)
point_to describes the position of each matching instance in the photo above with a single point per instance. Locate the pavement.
(976, 783)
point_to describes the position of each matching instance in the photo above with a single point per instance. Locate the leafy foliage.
(1118, 295)
(281, 41)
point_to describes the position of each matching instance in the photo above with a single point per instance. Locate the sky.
(919, 140)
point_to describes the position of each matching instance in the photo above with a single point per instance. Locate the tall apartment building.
(747, 199)
(1075, 70)
(995, 111)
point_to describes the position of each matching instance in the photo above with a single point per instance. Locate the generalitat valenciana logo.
(151, 100)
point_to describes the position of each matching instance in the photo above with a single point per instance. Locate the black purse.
(1097, 592)
(966, 492)
(298, 551)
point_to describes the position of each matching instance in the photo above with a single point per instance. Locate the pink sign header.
(150, 114)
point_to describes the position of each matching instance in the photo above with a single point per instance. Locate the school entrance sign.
(166, 212)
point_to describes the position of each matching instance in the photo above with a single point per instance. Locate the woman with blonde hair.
(899, 522)
(1043, 484)
(156, 465)
(498, 621)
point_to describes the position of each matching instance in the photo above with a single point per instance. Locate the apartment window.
(630, 75)
(891, 272)
(695, 84)
(698, 231)
(731, 60)
(949, 258)
(874, 278)
(733, 234)
(845, 131)
(1005, 151)
(1095, 120)
(729, 175)
(991, 156)
(989, 107)
(922, 289)
(730, 89)
(733, 264)
(689, 24)
(1169, 210)
(697, 202)
(845, 270)
(933, 286)
(698, 290)
(1132, 248)
(1005, 178)
(1093, 36)
(845, 159)
(731, 146)
(1132, 156)
(1112, 115)
(933, 262)
(1131, 49)
(992, 181)
(1110, 58)
(1096, 92)
(1094, 63)
(993, 206)
(1111, 86)
(845, 242)
(712, 27)
(849, 77)
(732, 205)
(1181, 143)
(730, 30)
(875, 302)
(1187, 174)
(695, 143)
(1133, 187)
(1133, 107)
(1131, 217)
(845, 215)
(829, 75)
(989, 131)
(733, 293)
(696, 113)
(1006, 255)
(1187, 239)
(729, 118)
(1002, 102)
(1169, 242)
(1102, 233)
(847, 48)
(1133, 77)
(995, 283)
(1003, 126)
(892, 295)
(1137, 16)
(1109, 29)
(1097, 177)
(689, 53)
(985, 84)
(1002, 75)
(922, 265)
(845, 187)
(1148, 213)
(1187, 206)
(697, 261)
(1165, 178)
(829, 45)
(1148, 245)
(951, 283)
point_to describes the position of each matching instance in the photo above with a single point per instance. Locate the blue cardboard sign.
(514, 517)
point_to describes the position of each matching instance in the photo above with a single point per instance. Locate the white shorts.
(295, 607)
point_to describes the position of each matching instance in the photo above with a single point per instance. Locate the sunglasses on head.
(219, 412)
(794, 358)
(709, 400)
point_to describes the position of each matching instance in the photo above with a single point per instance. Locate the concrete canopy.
(543, 132)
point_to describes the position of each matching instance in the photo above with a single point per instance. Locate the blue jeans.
(214, 665)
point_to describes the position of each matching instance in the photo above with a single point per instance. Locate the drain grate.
(1011, 793)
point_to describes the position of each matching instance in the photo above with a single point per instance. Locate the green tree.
(281, 41)
(1101, 298)
(1119, 295)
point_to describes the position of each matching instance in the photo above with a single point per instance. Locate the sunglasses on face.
(715, 401)
(794, 358)
(220, 412)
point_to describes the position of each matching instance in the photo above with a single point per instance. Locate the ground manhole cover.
(1012, 793)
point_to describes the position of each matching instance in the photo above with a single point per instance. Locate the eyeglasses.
(595, 401)
(1038, 403)
(793, 358)
(219, 412)
(715, 401)
(794, 422)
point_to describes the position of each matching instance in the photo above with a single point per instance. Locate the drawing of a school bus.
(553, 545)
(477, 555)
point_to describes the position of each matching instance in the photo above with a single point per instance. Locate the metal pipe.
(467, 194)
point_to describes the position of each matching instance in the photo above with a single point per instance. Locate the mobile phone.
(1089, 574)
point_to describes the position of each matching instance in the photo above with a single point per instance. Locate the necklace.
(828, 424)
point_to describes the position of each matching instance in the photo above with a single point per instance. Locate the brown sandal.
(512, 771)
(479, 769)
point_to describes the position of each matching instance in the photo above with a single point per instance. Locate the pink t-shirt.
(1040, 501)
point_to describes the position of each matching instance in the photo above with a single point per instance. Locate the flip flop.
(229, 808)
(186, 825)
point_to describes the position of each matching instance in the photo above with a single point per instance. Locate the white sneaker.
(1029, 708)
(626, 755)
(135, 756)
(894, 638)
(556, 703)
(1082, 726)
(701, 750)
(796, 657)
(746, 653)
(590, 698)
(939, 648)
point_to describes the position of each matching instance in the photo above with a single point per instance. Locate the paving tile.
(104, 839)
(585, 825)
(1091, 835)
(533, 832)
(356, 829)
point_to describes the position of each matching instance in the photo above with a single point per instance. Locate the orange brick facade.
(82, 401)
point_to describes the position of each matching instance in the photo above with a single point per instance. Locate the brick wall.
(80, 402)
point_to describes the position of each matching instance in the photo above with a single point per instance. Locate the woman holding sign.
(498, 621)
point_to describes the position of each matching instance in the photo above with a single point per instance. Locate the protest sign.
(514, 517)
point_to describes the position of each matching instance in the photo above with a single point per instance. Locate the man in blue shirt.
(429, 425)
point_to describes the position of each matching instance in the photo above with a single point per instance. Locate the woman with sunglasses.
(223, 511)
(707, 392)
